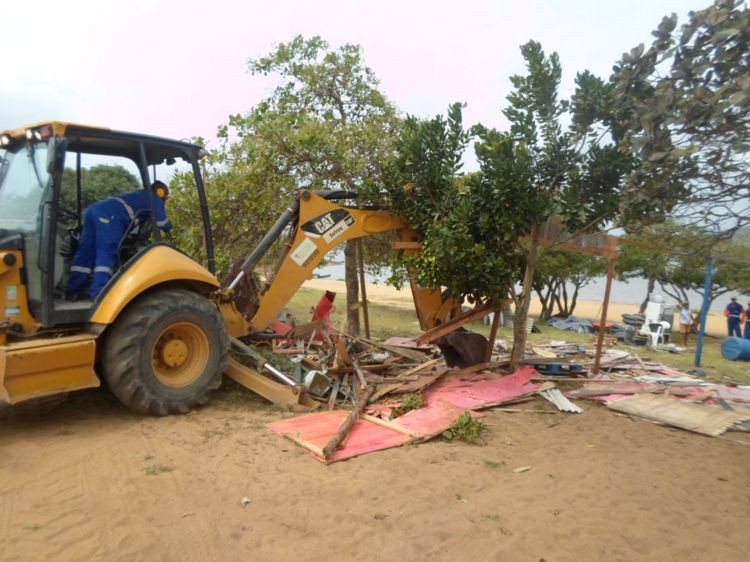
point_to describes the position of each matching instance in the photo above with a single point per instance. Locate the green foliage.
(466, 243)
(557, 272)
(324, 126)
(466, 428)
(409, 402)
(97, 183)
(684, 102)
(676, 255)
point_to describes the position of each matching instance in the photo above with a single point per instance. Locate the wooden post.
(362, 288)
(493, 335)
(605, 305)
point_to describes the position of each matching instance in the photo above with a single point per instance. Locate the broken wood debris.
(377, 381)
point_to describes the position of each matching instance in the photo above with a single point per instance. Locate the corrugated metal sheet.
(563, 404)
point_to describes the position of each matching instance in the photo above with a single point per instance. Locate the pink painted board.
(317, 430)
(433, 419)
(474, 394)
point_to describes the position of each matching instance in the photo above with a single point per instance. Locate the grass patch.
(467, 429)
(148, 457)
(494, 464)
(409, 402)
(154, 469)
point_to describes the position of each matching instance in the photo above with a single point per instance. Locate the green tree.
(326, 125)
(573, 171)
(675, 255)
(684, 103)
(425, 185)
(559, 277)
(97, 183)
(245, 194)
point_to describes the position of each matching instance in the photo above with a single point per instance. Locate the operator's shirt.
(137, 201)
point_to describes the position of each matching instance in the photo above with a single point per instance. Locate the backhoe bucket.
(290, 398)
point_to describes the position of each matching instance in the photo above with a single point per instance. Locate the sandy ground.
(82, 478)
(74, 486)
(384, 294)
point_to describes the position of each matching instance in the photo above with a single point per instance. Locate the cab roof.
(100, 140)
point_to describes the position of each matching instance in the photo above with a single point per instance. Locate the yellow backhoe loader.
(160, 332)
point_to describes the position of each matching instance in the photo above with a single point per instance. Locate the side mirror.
(56, 147)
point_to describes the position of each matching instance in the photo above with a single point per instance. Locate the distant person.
(686, 322)
(105, 223)
(746, 314)
(734, 312)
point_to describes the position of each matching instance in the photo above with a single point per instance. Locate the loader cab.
(47, 180)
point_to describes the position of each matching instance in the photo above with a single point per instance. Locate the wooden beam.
(362, 287)
(603, 321)
(493, 335)
(403, 245)
(454, 324)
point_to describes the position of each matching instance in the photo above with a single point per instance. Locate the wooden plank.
(706, 419)
(423, 382)
(420, 367)
(493, 335)
(312, 447)
(342, 354)
(454, 324)
(363, 287)
(334, 393)
(403, 245)
(391, 425)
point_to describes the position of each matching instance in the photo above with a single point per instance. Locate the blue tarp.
(573, 324)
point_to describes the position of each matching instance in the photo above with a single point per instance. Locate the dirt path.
(74, 486)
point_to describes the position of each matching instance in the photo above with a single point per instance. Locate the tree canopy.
(97, 183)
(683, 105)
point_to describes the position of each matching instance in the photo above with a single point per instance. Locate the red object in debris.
(481, 392)
(314, 431)
(281, 328)
(323, 311)
(607, 327)
(324, 308)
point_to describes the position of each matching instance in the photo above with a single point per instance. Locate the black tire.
(131, 370)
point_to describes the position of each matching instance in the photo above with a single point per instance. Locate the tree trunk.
(651, 287)
(352, 287)
(574, 301)
(522, 311)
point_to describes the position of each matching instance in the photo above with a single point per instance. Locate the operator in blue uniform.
(733, 312)
(105, 223)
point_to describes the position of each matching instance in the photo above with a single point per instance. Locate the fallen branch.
(347, 425)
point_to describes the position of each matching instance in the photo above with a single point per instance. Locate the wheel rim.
(180, 354)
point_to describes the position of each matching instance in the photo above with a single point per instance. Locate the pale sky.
(178, 68)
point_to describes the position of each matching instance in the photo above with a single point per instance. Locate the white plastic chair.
(655, 331)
